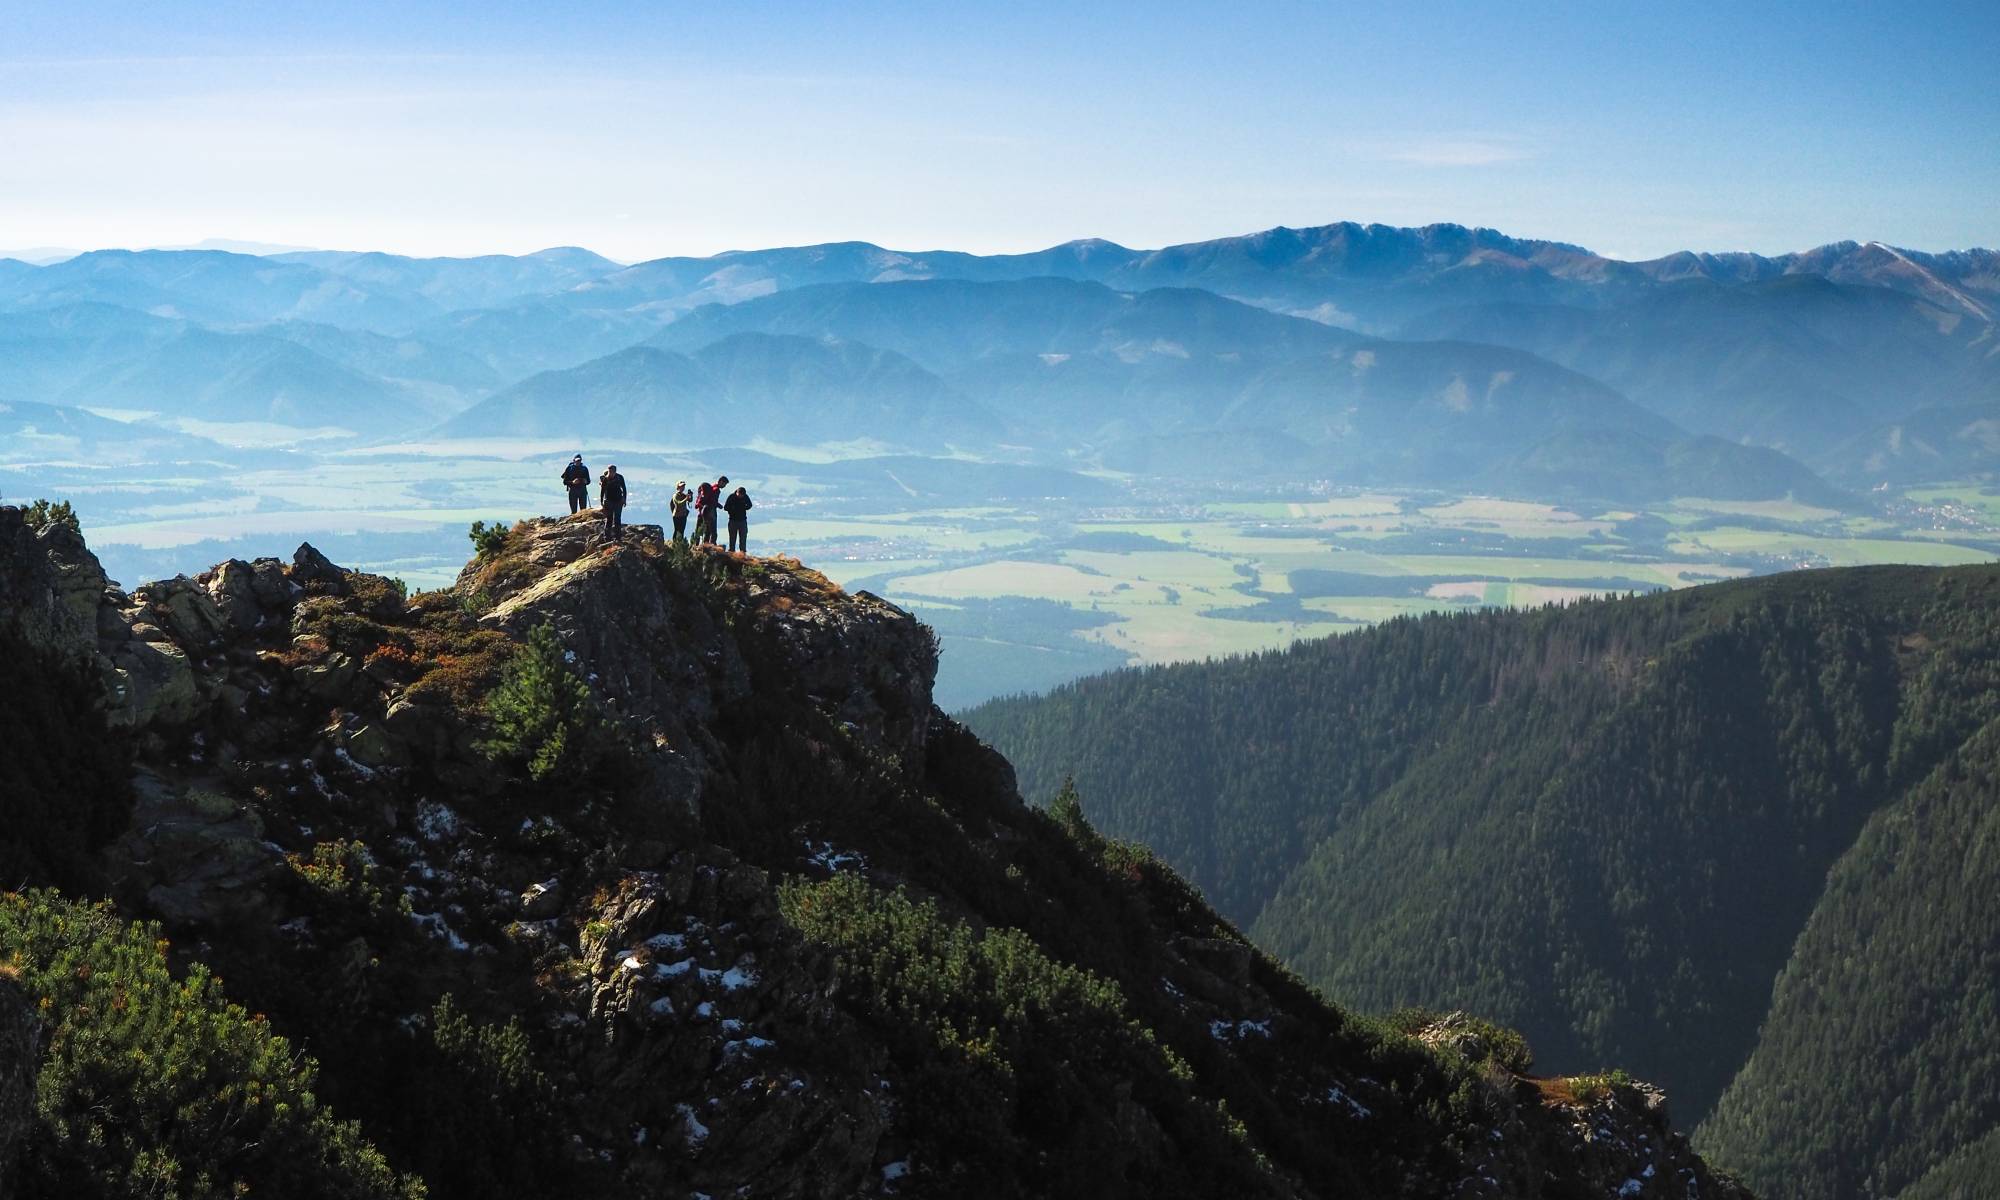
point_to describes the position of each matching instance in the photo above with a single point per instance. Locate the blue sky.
(672, 128)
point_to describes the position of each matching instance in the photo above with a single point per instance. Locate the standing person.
(611, 497)
(704, 507)
(678, 506)
(715, 498)
(576, 477)
(738, 507)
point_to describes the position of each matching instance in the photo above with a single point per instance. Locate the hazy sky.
(673, 127)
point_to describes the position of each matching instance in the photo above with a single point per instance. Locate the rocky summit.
(626, 869)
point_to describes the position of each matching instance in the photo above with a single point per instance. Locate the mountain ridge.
(797, 874)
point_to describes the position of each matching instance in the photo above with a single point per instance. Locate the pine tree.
(544, 715)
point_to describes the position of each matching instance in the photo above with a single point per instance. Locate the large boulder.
(185, 610)
(233, 588)
(315, 572)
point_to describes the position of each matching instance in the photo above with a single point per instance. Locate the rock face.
(20, 1056)
(327, 817)
(49, 583)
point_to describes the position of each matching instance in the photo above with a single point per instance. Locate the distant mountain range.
(1369, 353)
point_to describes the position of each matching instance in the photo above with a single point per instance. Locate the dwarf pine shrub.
(157, 1086)
(545, 717)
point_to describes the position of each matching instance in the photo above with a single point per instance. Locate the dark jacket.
(737, 506)
(611, 490)
(576, 475)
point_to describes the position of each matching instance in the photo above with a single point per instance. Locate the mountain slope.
(290, 373)
(747, 385)
(952, 324)
(1796, 362)
(1896, 975)
(720, 903)
(1608, 824)
(213, 286)
(44, 434)
(486, 281)
(1134, 376)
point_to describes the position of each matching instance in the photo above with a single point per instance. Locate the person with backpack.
(678, 506)
(611, 497)
(704, 509)
(738, 507)
(715, 499)
(576, 477)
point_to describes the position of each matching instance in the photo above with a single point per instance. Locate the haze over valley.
(1067, 460)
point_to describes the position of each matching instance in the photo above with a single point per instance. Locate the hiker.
(715, 500)
(704, 506)
(611, 498)
(576, 477)
(678, 506)
(738, 507)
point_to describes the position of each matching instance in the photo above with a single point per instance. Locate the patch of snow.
(824, 854)
(1224, 1030)
(749, 1045)
(668, 941)
(735, 979)
(662, 1007)
(347, 760)
(704, 1011)
(1335, 1095)
(437, 822)
(633, 963)
(673, 970)
(895, 1170)
(691, 1126)
(436, 926)
(730, 1025)
(1631, 1187)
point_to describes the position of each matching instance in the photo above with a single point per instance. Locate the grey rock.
(329, 680)
(149, 683)
(233, 588)
(541, 901)
(273, 590)
(315, 571)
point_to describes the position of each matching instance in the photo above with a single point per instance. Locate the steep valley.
(1735, 837)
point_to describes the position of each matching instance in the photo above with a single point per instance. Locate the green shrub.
(343, 875)
(1588, 1089)
(488, 540)
(1014, 1065)
(545, 717)
(491, 1126)
(159, 1087)
(43, 513)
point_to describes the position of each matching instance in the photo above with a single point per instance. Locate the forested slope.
(1609, 824)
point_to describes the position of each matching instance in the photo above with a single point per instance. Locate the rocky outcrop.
(49, 582)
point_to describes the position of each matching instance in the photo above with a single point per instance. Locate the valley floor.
(1027, 593)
